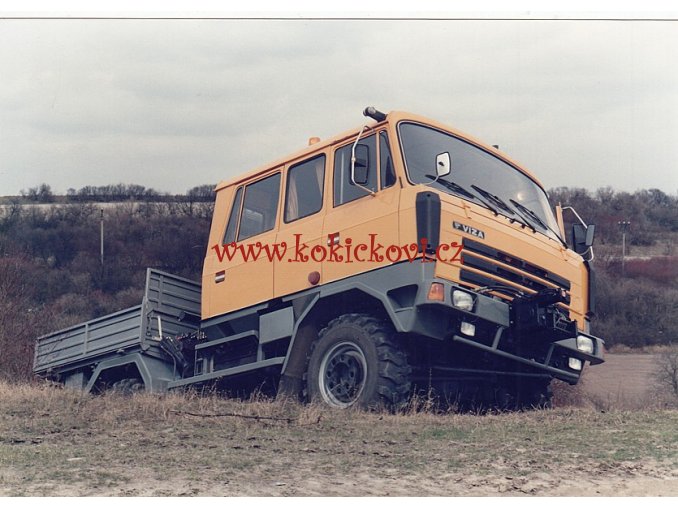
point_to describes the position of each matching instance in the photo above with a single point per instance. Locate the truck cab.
(407, 222)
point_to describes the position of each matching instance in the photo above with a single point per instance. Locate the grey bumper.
(496, 315)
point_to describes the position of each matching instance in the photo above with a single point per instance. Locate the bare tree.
(667, 371)
(17, 320)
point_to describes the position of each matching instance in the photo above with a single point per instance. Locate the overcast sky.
(171, 104)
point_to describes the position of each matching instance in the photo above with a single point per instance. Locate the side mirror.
(443, 164)
(590, 234)
(582, 237)
(360, 165)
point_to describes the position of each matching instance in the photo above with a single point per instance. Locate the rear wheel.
(356, 361)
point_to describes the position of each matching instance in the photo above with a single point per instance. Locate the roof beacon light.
(374, 114)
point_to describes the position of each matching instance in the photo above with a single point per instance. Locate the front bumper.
(551, 344)
(562, 348)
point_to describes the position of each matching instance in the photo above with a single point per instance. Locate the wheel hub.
(342, 374)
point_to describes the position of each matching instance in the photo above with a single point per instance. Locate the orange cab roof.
(393, 117)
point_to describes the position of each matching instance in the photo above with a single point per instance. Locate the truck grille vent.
(505, 268)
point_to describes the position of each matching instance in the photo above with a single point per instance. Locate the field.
(622, 381)
(57, 442)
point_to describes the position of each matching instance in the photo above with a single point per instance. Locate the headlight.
(574, 363)
(585, 344)
(462, 300)
(467, 329)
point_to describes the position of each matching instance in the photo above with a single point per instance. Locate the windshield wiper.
(459, 190)
(453, 187)
(490, 201)
(528, 213)
(493, 199)
(531, 215)
(513, 217)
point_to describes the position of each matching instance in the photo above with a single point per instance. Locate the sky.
(176, 103)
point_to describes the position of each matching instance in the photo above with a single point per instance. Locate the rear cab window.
(254, 209)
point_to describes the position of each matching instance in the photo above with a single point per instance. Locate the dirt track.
(300, 480)
(623, 380)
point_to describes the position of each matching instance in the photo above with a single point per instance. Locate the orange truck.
(398, 257)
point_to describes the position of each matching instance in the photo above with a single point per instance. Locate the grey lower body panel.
(155, 373)
(402, 291)
(412, 313)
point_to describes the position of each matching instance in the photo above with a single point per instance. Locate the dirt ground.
(623, 380)
(301, 481)
(55, 442)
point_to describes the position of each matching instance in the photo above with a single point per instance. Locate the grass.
(55, 441)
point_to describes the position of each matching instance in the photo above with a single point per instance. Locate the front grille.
(504, 267)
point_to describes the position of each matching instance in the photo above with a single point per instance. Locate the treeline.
(113, 193)
(653, 214)
(52, 275)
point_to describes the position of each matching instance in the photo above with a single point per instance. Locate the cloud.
(175, 103)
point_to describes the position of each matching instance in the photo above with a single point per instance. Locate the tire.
(520, 395)
(534, 396)
(128, 386)
(541, 397)
(356, 361)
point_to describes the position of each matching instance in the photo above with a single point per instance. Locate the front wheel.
(356, 361)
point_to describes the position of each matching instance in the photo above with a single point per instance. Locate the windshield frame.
(551, 231)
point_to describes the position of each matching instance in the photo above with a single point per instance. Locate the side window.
(388, 177)
(229, 237)
(259, 207)
(305, 183)
(344, 190)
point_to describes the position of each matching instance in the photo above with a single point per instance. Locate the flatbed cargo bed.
(172, 300)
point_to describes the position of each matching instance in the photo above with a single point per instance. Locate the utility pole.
(102, 243)
(624, 224)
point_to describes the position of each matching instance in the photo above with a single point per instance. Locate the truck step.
(227, 372)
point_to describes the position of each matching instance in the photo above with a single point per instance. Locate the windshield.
(476, 176)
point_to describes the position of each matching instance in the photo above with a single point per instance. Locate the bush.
(663, 270)
(635, 311)
(51, 274)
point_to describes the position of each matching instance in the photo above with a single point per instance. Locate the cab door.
(238, 269)
(362, 224)
(301, 226)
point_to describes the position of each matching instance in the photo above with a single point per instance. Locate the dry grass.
(56, 442)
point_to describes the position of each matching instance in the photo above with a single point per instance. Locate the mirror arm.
(437, 172)
(581, 221)
(432, 181)
(369, 190)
